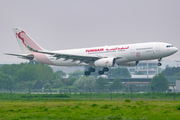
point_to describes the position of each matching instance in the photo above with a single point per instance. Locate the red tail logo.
(19, 36)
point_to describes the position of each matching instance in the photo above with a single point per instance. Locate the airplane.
(103, 56)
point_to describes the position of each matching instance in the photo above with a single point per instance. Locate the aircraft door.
(157, 48)
(132, 50)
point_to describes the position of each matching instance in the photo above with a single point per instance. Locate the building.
(147, 69)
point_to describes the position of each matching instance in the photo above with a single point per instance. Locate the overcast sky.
(67, 24)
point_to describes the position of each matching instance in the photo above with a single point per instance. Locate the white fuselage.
(125, 53)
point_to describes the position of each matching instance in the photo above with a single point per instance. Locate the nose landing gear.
(159, 64)
(159, 60)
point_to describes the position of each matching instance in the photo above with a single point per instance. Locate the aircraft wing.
(24, 56)
(80, 58)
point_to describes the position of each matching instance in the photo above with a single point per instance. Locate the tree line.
(171, 71)
(26, 75)
(36, 76)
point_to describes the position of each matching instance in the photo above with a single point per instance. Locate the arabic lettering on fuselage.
(117, 48)
(110, 49)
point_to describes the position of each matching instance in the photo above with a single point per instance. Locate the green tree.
(85, 82)
(167, 66)
(177, 74)
(57, 83)
(28, 84)
(60, 73)
(29, 75)
(170, 71)
(11, 69)
(36, 75)
(102, 83)
(44, 72)
(159, 82)
(6, 81)
(71, 81)
(117, 84)
(76, 73)
(26, 73)
(120, 72)
(47, 85)
(38, 84)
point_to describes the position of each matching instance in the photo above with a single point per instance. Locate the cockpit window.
(169, 46)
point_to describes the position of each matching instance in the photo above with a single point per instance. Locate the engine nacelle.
(131, 63)
(105, 62)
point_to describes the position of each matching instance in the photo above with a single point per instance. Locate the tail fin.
(24, 40)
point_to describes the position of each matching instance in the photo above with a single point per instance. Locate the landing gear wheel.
(91, 69)
(105, 69)
(87, 73)
(159, 64)
(101, 72)
(159, 60)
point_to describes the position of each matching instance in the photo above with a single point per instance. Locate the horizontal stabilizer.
(24, 56)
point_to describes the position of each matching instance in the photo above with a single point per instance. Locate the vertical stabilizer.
(24, 40)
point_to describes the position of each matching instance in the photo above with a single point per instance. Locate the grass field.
(83, 110)
(80, 107)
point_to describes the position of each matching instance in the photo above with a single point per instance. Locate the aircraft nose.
(175, 49)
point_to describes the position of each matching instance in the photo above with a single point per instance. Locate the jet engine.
(105, 62)
(131, 63)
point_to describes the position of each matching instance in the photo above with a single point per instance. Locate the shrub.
(178, 107)
(105, 106)
(116, 108)
(94, 105)
(127, 100)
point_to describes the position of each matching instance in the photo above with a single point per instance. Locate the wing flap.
(81, 58)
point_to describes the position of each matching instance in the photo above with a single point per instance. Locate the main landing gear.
(159, 60)
(101, 72)
(105, 69)
(89, 71)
